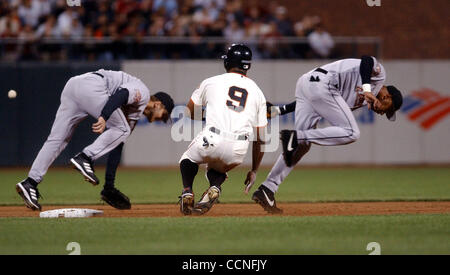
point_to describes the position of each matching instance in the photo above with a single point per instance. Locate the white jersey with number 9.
(234, 106)
(234, 103)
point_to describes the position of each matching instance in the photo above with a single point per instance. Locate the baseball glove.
(115, 198)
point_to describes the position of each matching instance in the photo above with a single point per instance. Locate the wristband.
(367, 88)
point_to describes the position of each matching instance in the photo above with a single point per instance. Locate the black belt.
(99, 74)
(320, 70)
(217, 131)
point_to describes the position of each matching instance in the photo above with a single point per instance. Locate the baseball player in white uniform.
(235, 106)
(331, 92)
(117, 100)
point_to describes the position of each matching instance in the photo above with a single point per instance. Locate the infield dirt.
(254, 210)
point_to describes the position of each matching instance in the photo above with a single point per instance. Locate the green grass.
(398, 234)
(63, 186)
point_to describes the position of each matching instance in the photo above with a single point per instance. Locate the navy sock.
(111, 166)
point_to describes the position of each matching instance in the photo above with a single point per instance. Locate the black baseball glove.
(115, 198)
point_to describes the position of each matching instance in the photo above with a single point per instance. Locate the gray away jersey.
(139, 94)
(348, 80)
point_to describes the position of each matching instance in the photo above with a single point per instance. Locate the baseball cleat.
(209, 198)
(115, 198)
(28, 191)
(266, 198)
(83, 164)
(290, 144)
(186, 202)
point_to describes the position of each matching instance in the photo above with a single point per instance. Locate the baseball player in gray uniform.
(330, 92)
(117, 100)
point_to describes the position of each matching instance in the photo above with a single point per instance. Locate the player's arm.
(273, 110)
(257, 153)
(193, 108)
(366, 70)
(257, 156)
(196, 102)
(115, 101)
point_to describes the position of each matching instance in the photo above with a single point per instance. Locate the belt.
(217, 131)
(99, 74)
(320, 70)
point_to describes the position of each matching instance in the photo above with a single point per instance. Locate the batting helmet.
(237, 56)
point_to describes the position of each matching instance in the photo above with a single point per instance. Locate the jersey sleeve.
(261, 116)
(198, 96)
(135, 96)
(138, 97)
(378, 77)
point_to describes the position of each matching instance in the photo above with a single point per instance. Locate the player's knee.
(125, 129)
(188, 168)
(127, 132)
(355, 135)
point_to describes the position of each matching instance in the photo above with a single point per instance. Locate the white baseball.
(12, 94)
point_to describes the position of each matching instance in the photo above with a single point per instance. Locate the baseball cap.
(166, 100)
(397, 101)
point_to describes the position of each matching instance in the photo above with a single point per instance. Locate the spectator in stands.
(64, 21)
(302, 29)
(234, 11)
(234, 33)
(235, 20)
(170, 7)
(10, 24)
(321, 42)
(157, 27)
(48, 29)
(203, 17)
(27, 50)
(77, 30)
(284, 25)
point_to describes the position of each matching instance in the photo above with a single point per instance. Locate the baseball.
(12, 94)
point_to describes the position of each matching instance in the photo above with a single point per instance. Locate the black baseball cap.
(166, 100)
(397, 101)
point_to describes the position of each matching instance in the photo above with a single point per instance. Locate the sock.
(215, 178)
(189, 170)
(33, 182)
(111, 166)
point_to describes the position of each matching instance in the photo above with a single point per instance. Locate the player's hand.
(371, 100)
(249, 181)
(99, 126)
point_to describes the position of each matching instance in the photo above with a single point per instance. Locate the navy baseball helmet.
(238, 56)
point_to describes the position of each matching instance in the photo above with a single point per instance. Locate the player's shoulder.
(212, 80)
(254, 85)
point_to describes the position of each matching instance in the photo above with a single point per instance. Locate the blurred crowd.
(124, 24)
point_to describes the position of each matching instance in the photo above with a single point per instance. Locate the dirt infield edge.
(254, 210)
